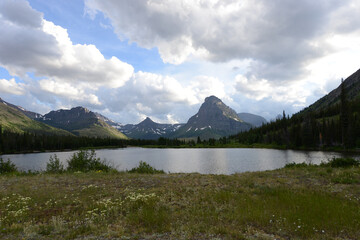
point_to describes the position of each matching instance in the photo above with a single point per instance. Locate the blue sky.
(135, 58)
(98, 31)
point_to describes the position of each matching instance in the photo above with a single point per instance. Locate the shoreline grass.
(296, 202)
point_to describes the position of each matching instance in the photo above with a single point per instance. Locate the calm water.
(206, 161)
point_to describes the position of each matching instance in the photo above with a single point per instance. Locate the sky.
(128, 59)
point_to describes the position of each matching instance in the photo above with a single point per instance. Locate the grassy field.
(298, 202)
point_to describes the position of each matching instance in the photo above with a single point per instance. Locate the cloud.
(257, 56)
(259, 89)
(45, 49)
(62, 74)
(20, 13)
(11, 87)
(280, 37)
(161, 97)
(68, 91)
(204, 86)
(149, 94)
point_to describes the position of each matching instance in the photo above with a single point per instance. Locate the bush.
(145, 168)
(85, 161)
(342, 162)
(7, 166)
(296, 165)
(54, 165)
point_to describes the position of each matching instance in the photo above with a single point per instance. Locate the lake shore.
(300, 202)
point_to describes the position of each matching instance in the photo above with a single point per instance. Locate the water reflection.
(206, 161)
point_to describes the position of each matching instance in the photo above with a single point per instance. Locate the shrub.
(7, 166)
(341, 162)
(85, 161)
(145, 168)
(296, 165)
(54, 165)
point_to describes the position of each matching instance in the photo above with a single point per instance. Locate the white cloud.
(278, 36)
(161, 97)
(45, 49)
(11, 87)
(150, 93)
(204, 86)
(259, 89)
(68, 91)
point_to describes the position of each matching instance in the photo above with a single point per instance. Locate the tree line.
(13, 142)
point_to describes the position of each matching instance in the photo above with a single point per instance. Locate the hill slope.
(352, 88)
(214, 120)
(14, 119)
(81, 122)
(331, 122)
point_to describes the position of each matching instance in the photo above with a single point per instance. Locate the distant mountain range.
(149, 129)
(214, 120)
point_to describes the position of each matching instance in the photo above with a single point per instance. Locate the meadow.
(296, 202)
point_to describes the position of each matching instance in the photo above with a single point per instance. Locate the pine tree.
(344, 116)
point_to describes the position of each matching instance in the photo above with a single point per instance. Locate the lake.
(188, 160)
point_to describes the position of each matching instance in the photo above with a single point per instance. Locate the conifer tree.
(344, 116)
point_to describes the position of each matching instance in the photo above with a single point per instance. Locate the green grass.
(307, 202)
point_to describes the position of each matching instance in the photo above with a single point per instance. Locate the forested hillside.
(336, 125)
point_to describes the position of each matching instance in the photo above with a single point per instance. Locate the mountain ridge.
(13, 118)
(148, 129)
(82, 122)
(351, 86)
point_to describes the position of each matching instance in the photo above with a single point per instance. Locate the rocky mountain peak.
(80, 109)
(212, 99)
(147, 119)
(147, 123)
(214, 119)
(214, 108)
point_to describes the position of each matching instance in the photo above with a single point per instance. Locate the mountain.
(253, 119)
(14, 118)
(82, 122)
(351, 86)
(214, 120)
(331, 122)
(108, 121)
(149, 129)
(30, 114)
